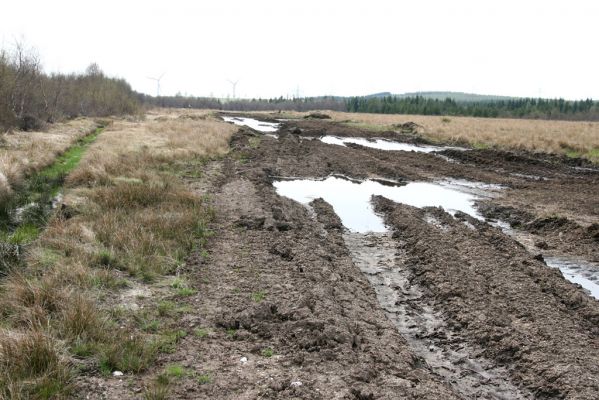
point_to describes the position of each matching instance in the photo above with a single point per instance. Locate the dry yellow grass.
(562, 137)
(133, 221)
(22, 153)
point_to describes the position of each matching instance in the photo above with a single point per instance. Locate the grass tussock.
(32, 366)
(129, 219)
(561, 137)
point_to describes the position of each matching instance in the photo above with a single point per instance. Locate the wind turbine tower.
(157, 84)
(233, 85)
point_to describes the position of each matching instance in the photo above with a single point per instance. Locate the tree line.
(532, 108)
(29, 97)
(513, 108)
(280, 103)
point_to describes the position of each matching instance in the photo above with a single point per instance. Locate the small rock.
(243, 360)
(117, 373)
(296, 384)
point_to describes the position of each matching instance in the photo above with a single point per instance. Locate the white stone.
(117, 373)
(296, 384)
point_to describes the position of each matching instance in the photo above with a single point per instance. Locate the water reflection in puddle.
(351, 200)
(383, 144)
(577, 271)
(260, 126)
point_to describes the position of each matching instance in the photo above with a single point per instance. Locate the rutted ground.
(285, 302)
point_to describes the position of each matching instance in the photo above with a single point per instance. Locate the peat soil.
(293, 305)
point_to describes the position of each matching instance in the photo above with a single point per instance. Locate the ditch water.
(351, 199)
(26, 213)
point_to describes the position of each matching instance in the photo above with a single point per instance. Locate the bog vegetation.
(128, 223)
(570, 138)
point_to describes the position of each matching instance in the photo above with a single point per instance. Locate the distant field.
(563, 137)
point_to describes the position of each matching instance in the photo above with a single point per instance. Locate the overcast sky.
(505, 47)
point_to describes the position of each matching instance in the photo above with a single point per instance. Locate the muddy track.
(424, 328)
(299, 307)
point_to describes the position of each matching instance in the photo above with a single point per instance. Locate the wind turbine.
(234, 85)
(157, 83)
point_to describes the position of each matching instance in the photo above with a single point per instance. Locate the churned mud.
(432, 300)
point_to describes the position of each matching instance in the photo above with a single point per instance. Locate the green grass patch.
(204, 379)
(268, 352)
(480, 146)
(571, 153)
(593, 155)
(175, 371)
(168, 341)
(201, 333)
(258, 296)
(185, 292)
(133, 354)
(24, 234)
(35, 197)
(65, 163)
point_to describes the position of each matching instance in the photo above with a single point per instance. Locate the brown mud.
(297, 307)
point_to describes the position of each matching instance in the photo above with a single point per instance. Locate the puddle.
(384, 144)
(260, 126)
(424, 329)
(351, 200)
(577, 271)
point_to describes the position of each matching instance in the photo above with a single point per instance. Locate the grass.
(24, 234)
(24, 153)
(560, 137)
(201, 333)
(175, 371)
(132, 219)
(268, 352)
(204, 379)
(258, 296)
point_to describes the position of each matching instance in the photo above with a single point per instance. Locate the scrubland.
(127, 225)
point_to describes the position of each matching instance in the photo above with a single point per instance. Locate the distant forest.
(510, 108)
(531, 108)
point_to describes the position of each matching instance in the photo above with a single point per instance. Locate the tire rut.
(469, 375)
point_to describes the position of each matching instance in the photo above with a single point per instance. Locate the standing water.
(260, 126)
(383, 144)
(351, 200)
(374, 251)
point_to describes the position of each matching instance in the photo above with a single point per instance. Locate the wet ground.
(378, 274)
